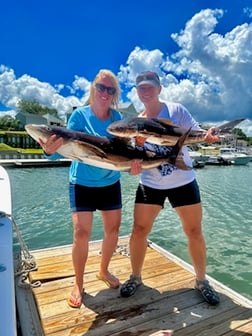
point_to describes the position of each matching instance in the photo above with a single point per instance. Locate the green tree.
(239, 133)
(33, 107)
(8, 123)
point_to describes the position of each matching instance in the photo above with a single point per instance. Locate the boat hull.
(240, 160)
(236, 158)
(7, 291)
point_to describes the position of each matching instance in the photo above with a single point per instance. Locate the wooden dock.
(166, 304)
(32, 163)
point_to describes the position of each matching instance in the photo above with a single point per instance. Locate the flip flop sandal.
(111, 281)
(130, 286)
(207, 291)
(74, 301)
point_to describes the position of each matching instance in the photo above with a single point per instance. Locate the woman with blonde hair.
(92, 188)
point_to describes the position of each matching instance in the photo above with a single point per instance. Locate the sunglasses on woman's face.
(102, 88)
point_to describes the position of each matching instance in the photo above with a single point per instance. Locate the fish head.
(123, 128)
(37, 132)
(137, 126)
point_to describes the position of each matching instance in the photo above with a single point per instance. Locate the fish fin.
(182, 139)
(180, 163)
(93, 149)
(178, 146)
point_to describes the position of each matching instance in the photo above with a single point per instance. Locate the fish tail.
(227, 128)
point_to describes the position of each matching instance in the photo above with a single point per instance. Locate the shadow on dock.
(166, 300)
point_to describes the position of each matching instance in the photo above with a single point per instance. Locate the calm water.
(41, 211)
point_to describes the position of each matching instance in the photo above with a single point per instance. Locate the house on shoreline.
(21, 139)
(46, 119)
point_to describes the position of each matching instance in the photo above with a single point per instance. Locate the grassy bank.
(4, 147)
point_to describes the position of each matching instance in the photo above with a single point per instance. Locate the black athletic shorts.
(185, 195)
(95, 198)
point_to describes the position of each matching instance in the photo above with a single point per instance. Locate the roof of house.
(127, 108)
(41, 119)
(52, 118)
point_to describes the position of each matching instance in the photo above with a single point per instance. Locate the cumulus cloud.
(248, 11)
(13, 89)
(210, 74)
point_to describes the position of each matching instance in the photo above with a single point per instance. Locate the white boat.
(236, 158)
(214, 160)
(196, 155)
(198, 160)
(7, 291)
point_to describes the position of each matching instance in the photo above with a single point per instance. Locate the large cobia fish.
(162, 131)
(115, 153)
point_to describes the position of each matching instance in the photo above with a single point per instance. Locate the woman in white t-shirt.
(167, 181)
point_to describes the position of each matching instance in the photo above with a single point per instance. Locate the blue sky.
(51, 51)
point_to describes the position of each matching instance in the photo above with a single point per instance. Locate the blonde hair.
(101, 74)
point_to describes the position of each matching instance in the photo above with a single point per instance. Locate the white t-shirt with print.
(167, 176)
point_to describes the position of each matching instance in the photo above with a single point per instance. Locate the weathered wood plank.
(221, 323)
(148, 305)
(94, 246)
(165, 301)
(162, 312)
(61, 266)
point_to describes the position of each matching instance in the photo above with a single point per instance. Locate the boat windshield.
(227, 150)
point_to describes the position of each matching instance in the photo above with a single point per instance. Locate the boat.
(196, 155)
(214, 160)
(198, 159)
(198, 163)
(7, 291)
(166, 304)
(235, 157)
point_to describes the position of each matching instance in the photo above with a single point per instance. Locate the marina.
(224, 156)
(78, 131)
(166, 304)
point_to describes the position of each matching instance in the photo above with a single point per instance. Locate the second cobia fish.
(162, 131)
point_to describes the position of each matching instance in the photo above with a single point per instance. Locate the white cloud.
(81, 83)
(248, 11)
(210, 74)
(13, 89)
(138, 61)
